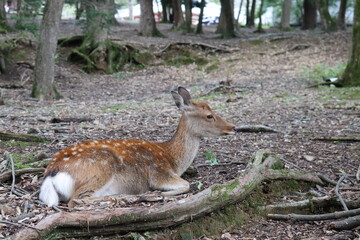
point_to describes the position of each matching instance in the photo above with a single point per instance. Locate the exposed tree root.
(90, 223)
(106, 56)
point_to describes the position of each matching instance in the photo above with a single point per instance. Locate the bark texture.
(351, 76)
(341, 24)
(178, 14)
(327, 22)
(285, 17)
(309, 17)
(147, 19)
(226, 24)
(90, 223)
(43, 85)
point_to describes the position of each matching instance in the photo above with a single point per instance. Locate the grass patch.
(23, 160)
(320, 72)
(351, 94)
(18, 144)
(178, 57)
(114, 108)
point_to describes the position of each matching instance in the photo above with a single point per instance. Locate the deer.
(98, 168)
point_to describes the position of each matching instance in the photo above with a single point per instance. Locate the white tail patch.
(56, 188)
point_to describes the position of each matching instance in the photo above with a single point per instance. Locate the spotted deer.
(98, 168)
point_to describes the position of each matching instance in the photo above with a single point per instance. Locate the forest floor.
(269, 76)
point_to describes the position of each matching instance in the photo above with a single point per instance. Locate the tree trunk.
(285, 17)
(341, 24)
(178, 14)
(79, 9)
(118, 220)
(43, 85)
(351, 76)
(260, 29)
(226, 24)
(327, 23)
(4, 27)
(247, 13)
(147, 20)
(188, 15)
(238, 15)
(252, 14)
(309, 21)
(165, 17)
(199, 25)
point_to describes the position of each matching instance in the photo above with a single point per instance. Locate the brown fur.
(138, 166)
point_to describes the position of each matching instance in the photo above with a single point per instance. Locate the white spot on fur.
(74, 153)
(104, 146)
(92, 143)
(95, 141)
(108, 141)
(74, 148)
(57, 153)
(91, 160)
(65, 159)
(80, 149)
(66, 153)
(116, 144)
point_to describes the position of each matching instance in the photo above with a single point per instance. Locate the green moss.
(18, 144)
(256, 42)
(114, 108)
(23, 160)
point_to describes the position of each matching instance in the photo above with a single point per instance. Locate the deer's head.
(200, 119)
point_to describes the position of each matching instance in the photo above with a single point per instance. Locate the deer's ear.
(185, 95)
(182, 98)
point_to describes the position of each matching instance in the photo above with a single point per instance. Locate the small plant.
(211, 157)
(321, 72)
(199, 185)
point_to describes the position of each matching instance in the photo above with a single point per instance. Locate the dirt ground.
(270, 76)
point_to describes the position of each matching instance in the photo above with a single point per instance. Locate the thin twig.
(358, 174)
(12, 172)
(338, 194)
(18, 224)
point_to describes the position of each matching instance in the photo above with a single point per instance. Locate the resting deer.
(107, 167)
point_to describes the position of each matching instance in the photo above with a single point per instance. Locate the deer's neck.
(183, 146)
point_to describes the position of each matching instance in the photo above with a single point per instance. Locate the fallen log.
(6, 176)
(21, 137)
(118, 220)
(346, 224)
(316, 217)
(255, 128)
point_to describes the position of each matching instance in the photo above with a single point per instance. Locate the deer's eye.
(210, 116)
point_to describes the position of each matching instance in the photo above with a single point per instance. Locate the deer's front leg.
(172, 185)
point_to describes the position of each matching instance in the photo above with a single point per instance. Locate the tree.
(199, 25)
(251, 22)
(309, 17)
(178, 14)
(351, 75)
(3, 22)
(285, 17)
(226, 24)
(43, 85)
(327, 23)
(341, 15)
(260, 29)
(147, 19)
(188, 15)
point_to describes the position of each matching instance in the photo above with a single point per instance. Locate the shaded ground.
(270, 75)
